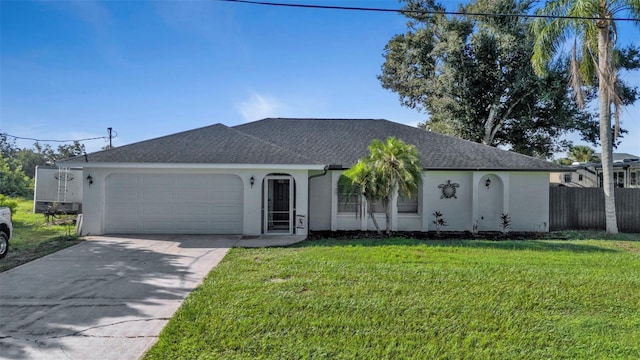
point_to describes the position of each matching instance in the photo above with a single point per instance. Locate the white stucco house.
(280, 176)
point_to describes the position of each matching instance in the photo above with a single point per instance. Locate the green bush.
(7, 202)
(13, 181)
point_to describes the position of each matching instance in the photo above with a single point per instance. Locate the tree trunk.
(372, 209)
(604, 72)
(388, 217)
(489, 132)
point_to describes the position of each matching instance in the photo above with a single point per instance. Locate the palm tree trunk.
(388, 216)
(604, 70)
(372, 210)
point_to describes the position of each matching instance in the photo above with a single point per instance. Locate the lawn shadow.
(507, 244)
(99, 290)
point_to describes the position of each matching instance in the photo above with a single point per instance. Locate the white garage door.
(173, 204)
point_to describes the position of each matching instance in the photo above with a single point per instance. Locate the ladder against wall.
(63, 180)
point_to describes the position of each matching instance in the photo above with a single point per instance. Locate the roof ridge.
(314, 118)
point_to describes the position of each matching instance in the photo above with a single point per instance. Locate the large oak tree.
(472, 75)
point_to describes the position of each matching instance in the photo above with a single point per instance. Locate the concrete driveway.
(106, 298)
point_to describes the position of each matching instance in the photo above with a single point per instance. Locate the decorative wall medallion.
(448, 190)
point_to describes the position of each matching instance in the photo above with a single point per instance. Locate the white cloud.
(260, 106)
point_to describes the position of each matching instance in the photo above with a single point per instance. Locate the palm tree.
(596, 39)
(391, 167)
(582, 153)
(362, 180)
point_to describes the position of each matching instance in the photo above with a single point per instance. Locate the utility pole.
(110, 137)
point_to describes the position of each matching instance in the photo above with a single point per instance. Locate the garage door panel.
(188, 227)
(174, 203)
(163, 180)
(193, 197)
(124, 226)
(225, 197)
(226, 214)
(157, 211)
(157, 226)
(157, 196)
(123, 195)
(193, 212)
(125, 212)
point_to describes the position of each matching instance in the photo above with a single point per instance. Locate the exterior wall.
(457, 212)
(524, 196)
(477, 204)
(529, 201)
(319, 201)
(94, 195)
(490, 199)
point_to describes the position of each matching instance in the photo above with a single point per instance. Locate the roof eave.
(497, 169)
(192, 166)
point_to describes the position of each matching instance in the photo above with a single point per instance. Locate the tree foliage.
(583, 154)
(580, 154)
(13, 181)
(18, 165)
(391, 167)
(473, 77)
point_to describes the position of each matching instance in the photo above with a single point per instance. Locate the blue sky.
(69, 70)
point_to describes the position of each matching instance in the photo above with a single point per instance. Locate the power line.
(422, 12)
(43, 140)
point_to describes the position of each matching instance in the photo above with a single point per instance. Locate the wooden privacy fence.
(583, 208)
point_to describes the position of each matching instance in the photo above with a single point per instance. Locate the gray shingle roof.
(313, 142)
(215, 144)
(344, 141)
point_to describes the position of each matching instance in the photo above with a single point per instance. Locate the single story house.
(280, 176)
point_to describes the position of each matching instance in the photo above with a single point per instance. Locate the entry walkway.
(107, 297)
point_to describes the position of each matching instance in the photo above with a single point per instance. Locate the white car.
(6, 230)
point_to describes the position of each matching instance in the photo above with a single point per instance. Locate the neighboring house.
(626, 173)
(280, 176)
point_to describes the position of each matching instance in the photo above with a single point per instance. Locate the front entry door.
(278, 200)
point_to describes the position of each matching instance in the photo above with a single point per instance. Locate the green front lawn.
(34, 238)
(410, 299)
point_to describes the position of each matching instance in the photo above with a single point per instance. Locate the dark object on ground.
(431, 235)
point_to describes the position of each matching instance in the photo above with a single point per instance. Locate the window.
(408, 205)
(567, 177)
(348, 199)
(634, 178)
(378, 207)
(580, 177)
(618, 179)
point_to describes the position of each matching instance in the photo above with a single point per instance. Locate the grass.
(410, 299)
(34, 238)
